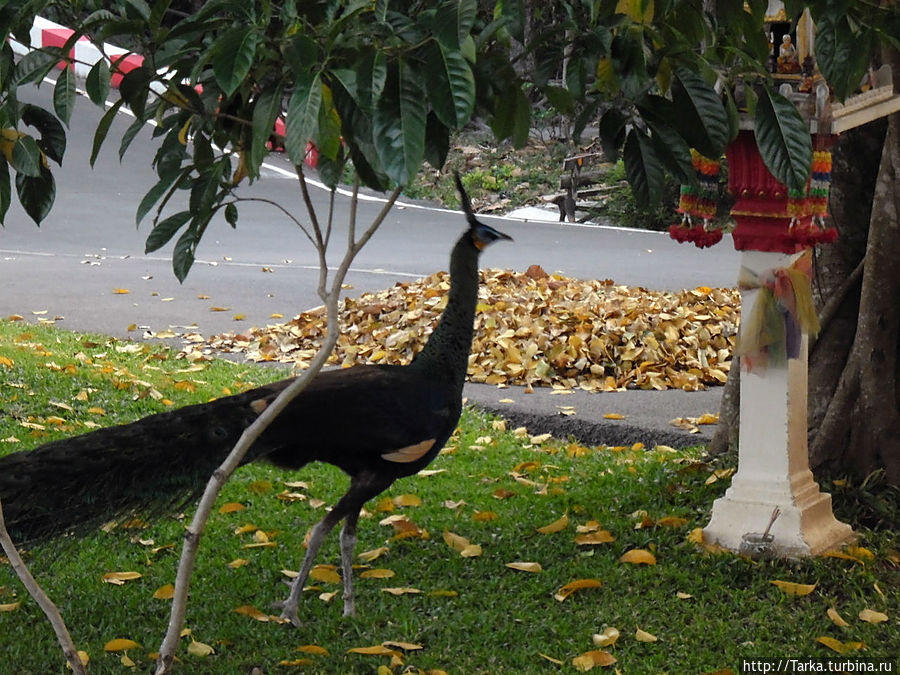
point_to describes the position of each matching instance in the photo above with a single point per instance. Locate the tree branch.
(44, 602)
(272, 202)
(828, 312)
(251, 434)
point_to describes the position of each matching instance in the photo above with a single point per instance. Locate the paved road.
(90, 245)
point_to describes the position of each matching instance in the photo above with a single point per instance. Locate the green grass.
(498, 621)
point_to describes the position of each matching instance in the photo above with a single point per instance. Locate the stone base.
(805, 526)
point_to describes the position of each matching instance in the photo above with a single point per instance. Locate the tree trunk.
(856, 432)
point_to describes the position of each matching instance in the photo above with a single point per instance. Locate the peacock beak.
(484, 235)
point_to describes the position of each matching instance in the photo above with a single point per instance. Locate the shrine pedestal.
(773, 463)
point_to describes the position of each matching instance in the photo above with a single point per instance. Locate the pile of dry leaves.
(531, 329)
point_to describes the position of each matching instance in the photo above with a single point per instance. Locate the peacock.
(377, 423)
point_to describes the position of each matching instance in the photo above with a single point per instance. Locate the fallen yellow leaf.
(406, 590)
(166, 592)
(238, 562)
(218, 309)
(121, 291)
(484, 516)
(840, 647)
(313, 649)
(871, 616)
(594, 538)
(573, 586)
(407, 500)
(614, 416)
(379, 573)
(120, 644)
(199, 649)
(462, 545)
(638, 556)
(532, 567)
(550, 659)
(791, 588)
(239, 317)
(644, 636)
(325, 573)
(672, 521)
(376, 650)
(556, 526)
(369, 556)
(405, 646)
(231, 507)
(836, 618)
(607, 638)
(252, 612)
(596, 657)
(10, 607)
(119, 578)
(6, 362)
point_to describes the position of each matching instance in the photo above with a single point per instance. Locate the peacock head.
(481, 234)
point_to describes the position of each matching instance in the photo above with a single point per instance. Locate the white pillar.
(773, 461)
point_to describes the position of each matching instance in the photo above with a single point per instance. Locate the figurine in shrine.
(788, 61)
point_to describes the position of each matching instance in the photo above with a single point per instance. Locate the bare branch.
(354, 200)
(251, 433)
(278, 206)
(44, 602)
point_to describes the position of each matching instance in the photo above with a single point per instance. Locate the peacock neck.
(446, 354)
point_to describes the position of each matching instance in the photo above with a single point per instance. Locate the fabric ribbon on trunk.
(771, 331)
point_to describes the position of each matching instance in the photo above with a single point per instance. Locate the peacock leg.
(290, 606)
(363, 487)
(348, 545)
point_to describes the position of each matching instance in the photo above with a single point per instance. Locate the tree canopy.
(379, 87)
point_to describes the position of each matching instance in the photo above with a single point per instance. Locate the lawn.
(425, 599)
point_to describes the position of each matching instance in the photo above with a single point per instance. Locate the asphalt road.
(90, 245)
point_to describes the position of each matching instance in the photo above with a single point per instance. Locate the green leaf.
(700, 118)
(5, 189)
(302, 122)
(783, 139)
(26, 157)
(135, 89)
(34, 66)
(399, 124)
(330, 170)
(97, 82)
(451, 86)
(231, 214)
(204, 190)
(265, 112)
(53, 136)
(512, 116)
(513, 13)
(103, 129)
(233, 57)
(165, 230)
(153, 195)
(36, 194)
(842, 55)
(560, 99)
(453, 22)
(673, 152)
(437, 141)
(64, 95)
(642, 167)
(328, 137)
(183, 255)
